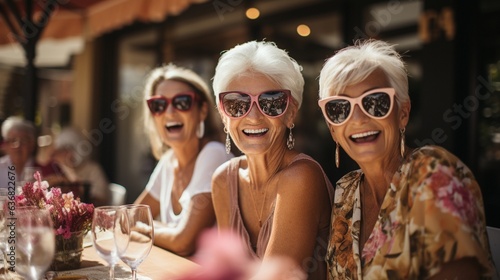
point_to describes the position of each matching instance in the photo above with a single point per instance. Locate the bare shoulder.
(221, 195)
(219, 178)
(303, 195)
(303, 176)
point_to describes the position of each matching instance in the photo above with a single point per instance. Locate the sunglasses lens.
(273, 103)
(157, 106)
(236, 104)
(377, 104)
(182, 102)
(338, 110)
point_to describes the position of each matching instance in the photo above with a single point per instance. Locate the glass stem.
(134, 274)
(4, 259)
(5, 273)
(112, 272)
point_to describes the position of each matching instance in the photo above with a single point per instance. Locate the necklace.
(261, 208)
(182, 178)
(181, 173)
(268, 183)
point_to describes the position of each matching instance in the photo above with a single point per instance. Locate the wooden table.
(160, 263)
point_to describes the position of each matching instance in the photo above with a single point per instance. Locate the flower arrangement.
(68, 213)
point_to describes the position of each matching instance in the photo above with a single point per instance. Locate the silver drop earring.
(228, 141)
(290, 142)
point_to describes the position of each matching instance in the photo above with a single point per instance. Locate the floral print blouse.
(432, 213)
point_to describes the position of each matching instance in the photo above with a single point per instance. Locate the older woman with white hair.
(407, 213)
(20, 145)
(275, 198)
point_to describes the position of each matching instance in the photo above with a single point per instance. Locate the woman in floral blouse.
(407, 213)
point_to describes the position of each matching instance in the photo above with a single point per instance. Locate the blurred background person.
(275, 198)
(408, 213)
(78, 167)
(185, 137)
(20, 147)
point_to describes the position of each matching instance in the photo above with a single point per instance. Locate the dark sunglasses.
(272, 103)
(375, 103)
(182, 102)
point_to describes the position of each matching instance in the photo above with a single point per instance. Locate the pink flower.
(453, 196)
(68, 213)
(376, 240)
(222, 256)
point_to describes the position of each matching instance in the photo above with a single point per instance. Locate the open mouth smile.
(255, 132)
(174, 126)
(365, 137)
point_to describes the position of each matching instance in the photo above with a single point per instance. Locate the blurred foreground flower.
(222, 256)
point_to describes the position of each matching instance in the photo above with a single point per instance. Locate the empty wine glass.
(134, 235)
(3, 228)
(35, 242)
(103, 224)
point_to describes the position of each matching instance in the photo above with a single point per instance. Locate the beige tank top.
(316, 265)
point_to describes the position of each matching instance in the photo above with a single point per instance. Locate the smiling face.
(367, 140)
(176, 127)
(256, 133)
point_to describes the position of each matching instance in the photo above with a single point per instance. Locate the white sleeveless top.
(161, 180)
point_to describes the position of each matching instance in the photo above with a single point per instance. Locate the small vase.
(68, 253)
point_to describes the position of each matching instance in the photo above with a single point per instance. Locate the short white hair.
(263, 58)
(18, 123)
(354, 64)
(68, 138)
(71, 139)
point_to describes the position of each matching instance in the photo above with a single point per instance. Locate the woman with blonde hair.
(183, 130)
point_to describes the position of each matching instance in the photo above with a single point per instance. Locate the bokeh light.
(252, 13)
(303, 30)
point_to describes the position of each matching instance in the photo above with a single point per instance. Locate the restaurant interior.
(452, 50)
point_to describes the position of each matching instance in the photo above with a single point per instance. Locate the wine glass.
(103, 224)
(3, 228)
(35, 241)
(134, 235)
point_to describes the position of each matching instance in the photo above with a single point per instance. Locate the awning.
(28, 22)
(86, 18)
